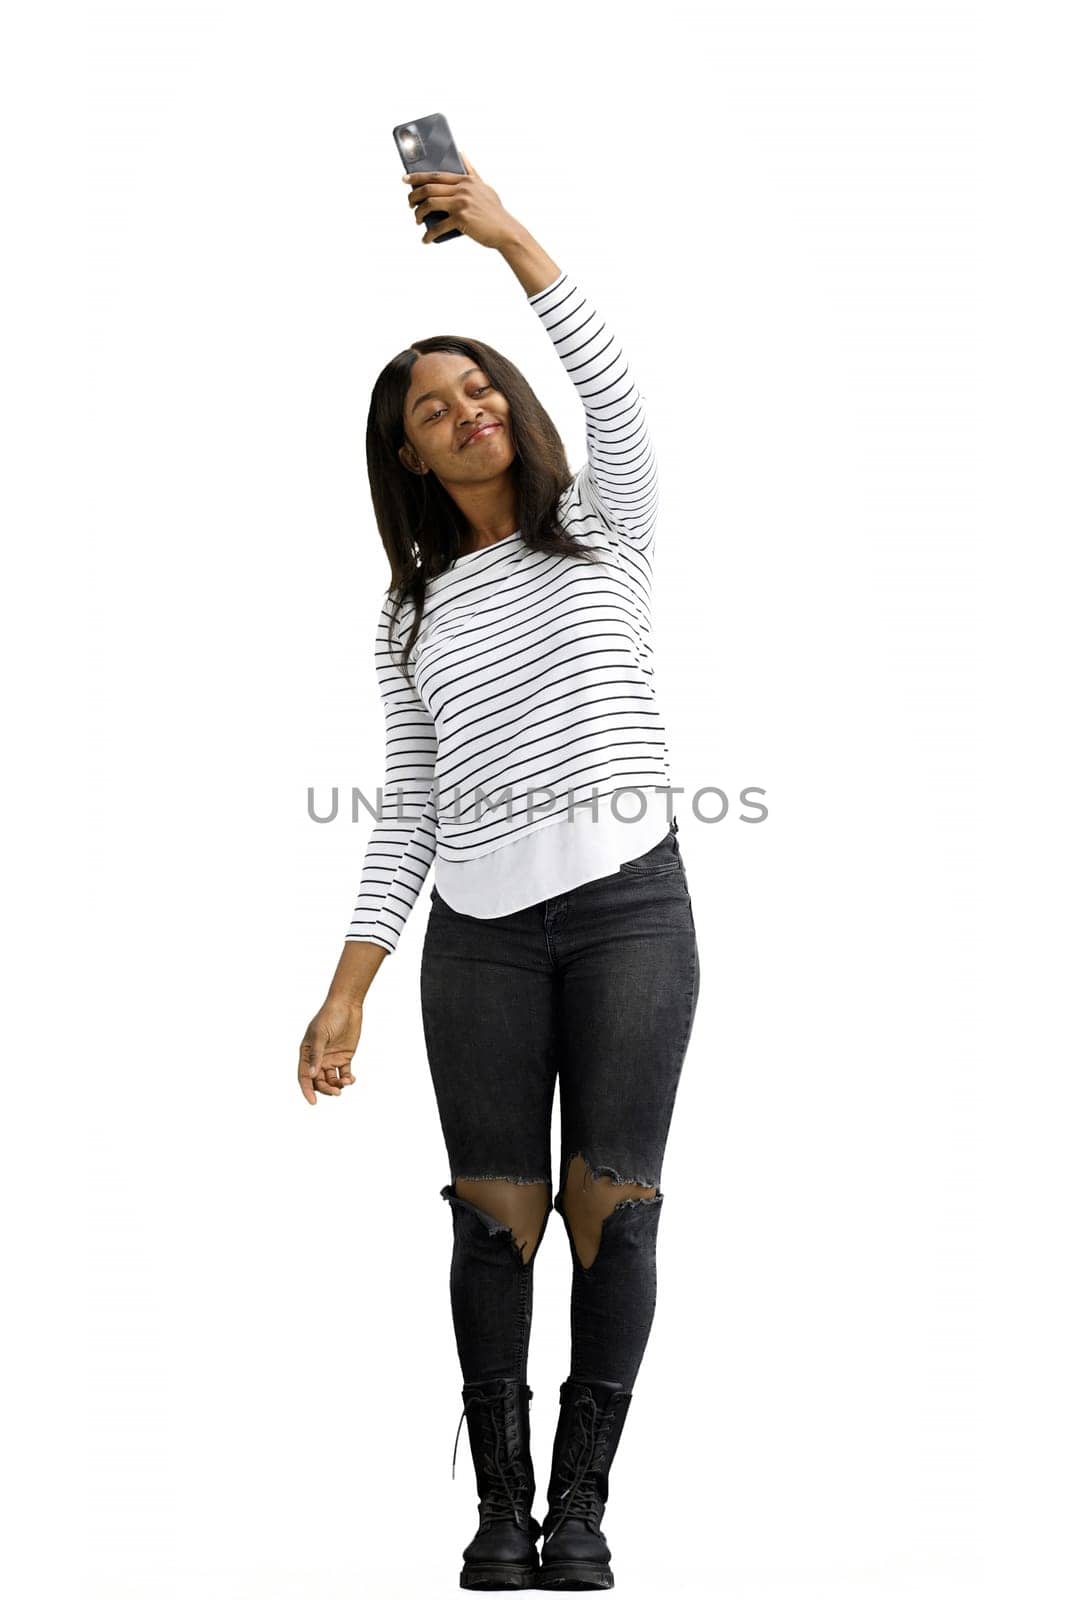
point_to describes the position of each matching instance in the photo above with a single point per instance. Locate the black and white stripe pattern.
(533, 671)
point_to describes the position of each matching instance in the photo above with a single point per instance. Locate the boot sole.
(501, 1575)
(577, 1575)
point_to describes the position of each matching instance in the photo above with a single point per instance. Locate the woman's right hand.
(328, 1047)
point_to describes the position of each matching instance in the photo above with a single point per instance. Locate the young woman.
(515, 665)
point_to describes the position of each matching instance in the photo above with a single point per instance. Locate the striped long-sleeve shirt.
(533, 671)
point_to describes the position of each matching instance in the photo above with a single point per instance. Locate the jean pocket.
(663, 857)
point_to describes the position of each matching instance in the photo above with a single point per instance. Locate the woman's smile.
(485, 429)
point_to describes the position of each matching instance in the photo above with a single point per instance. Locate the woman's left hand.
(472, 206)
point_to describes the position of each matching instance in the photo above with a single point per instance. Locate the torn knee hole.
(518, 1208)
(591, 1199)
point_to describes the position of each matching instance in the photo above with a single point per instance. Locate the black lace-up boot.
(503, 1553)
(575, 1554)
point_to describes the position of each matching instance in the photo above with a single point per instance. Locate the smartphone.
(427, 145)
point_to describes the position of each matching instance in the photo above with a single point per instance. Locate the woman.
(515, 668)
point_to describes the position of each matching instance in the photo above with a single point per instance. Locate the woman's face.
(456, 421)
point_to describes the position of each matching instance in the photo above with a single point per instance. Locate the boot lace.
(582, 1498)
(498, 1502)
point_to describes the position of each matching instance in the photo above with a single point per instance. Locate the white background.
(829, 237)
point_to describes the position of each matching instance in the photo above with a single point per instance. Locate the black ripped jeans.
(597, 987)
